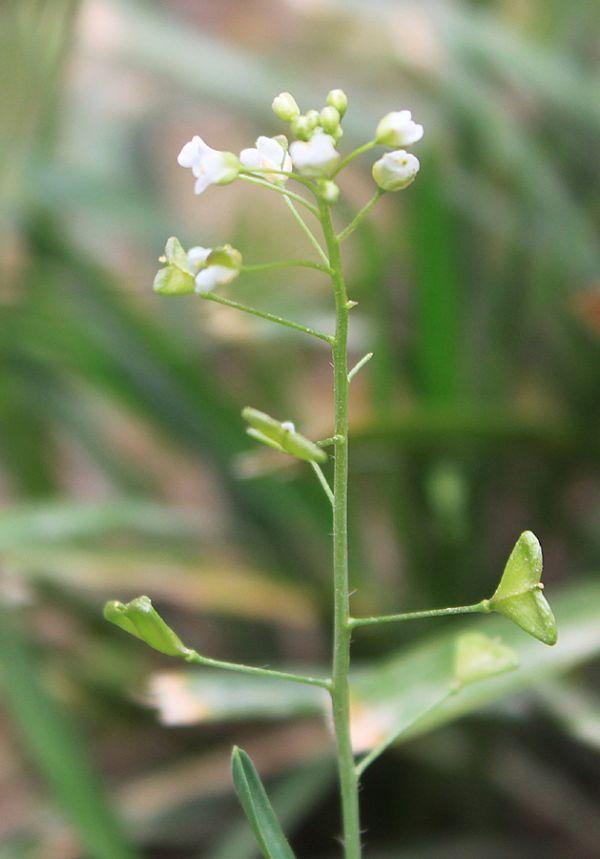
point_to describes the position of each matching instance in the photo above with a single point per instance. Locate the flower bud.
(328, 191)
(301, 128)
(478, 657)
(395, 170)
(285, 107)
(281, 436)
(519, 595)
(337, 98)
(330, 119)
(313, 118)
(398, 129)
(141, 619)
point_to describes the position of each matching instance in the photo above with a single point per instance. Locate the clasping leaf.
(519, 595)
(258, 809)
(281, 436)
(140, 618)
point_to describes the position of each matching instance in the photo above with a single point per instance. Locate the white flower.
(395, 170)
(398, 129)
(209, 166)
(214, 266)
(197, 256)
(315, 157)
(269, 154)
(285, 107)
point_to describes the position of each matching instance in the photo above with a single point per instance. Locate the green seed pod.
(281, 436)
(519, 595)
(478, 657)
(141, 619)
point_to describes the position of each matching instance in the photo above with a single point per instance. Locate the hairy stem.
(340, 693)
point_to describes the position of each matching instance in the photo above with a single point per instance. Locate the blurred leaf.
(575, 708)
(55, 748)
(257, 807)
(36, 525)
(391, 698)
(187, 697)
(213, 584)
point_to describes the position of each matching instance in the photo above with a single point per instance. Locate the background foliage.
(124, 467)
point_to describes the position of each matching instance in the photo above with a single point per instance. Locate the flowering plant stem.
(340, 691)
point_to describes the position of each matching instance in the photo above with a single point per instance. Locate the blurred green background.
(124, 468)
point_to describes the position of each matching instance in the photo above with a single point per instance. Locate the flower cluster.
(311, 158)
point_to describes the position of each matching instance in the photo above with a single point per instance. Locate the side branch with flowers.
(313, 162)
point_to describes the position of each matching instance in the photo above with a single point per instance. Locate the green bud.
(519, 595)
(328, 191)
(330, 119)
(281, 436)
(285, 107)
(301, 128)
(141, 619)
(313, 118)
(478, 657)
(337, 133)
(177, 278)
(337, 98)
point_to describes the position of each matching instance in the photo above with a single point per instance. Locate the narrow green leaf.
(257, 808)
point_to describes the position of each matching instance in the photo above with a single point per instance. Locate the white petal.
(190, 152)
(270, 149)
(250, 158)
(213, 276)
(202, 183)
(198, 255)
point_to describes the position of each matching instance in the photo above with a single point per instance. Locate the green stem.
(307, 231)
(385, 744)
(347, 231)
(323, 481)
(264, 183)
(270, 317)
(364, 148)
(340, 692)
(197, 659)
(482, 607)
(286, 263)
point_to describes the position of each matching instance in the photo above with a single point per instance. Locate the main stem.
(340, 693)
